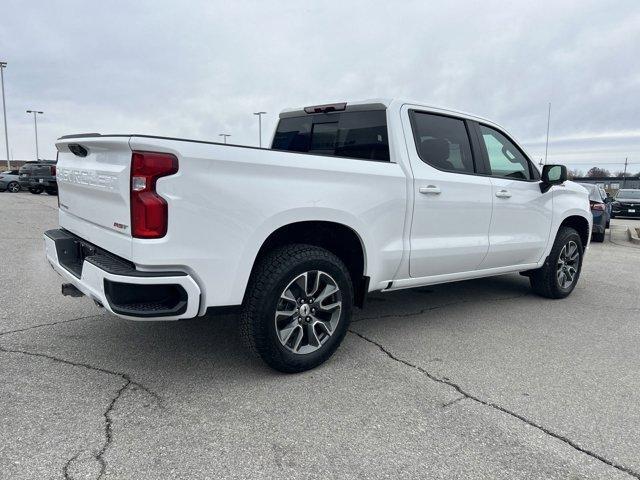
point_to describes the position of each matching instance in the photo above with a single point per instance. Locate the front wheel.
(297, 308)
(558, 276)
(13, 187)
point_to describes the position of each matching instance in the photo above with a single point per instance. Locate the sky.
(196, 69)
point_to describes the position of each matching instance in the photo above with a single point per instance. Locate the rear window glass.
(360, 135)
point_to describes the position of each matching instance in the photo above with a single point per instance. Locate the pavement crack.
(495, 406)
(455, 400)
(66, 467)
(108, 421)
(108, 427)
(42, 325)
(434, 307)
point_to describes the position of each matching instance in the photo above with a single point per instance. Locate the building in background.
(611, 184)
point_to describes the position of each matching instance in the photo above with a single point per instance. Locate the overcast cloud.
(197, 69)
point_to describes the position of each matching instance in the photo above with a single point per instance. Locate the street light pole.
(3, 65)
(546, 147)
(225, 135)
(259, 114)
(35, 125)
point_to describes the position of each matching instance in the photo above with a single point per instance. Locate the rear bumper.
(122, 289)
(35, 182)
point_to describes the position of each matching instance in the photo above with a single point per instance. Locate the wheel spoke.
(288, 296)
(296, 344)
(324, 326)
(329, 307)
(313, 336)
(326, 292)
(316, 285)
(286, 333)
(285, 313)
(302, 281)
(561, 278)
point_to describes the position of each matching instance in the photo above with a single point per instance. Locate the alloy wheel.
(308, 312)
(568, 264)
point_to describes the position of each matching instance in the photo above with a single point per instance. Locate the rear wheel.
(51, 190)
(297, 308)
(13, 187)
(558, 276)
(36, 190)
(597, 237)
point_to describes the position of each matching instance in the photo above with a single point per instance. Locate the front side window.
(360, 135)
(442, 142)
(505, 159)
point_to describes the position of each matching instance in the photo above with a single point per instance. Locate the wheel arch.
(340, 239)
(580, 224)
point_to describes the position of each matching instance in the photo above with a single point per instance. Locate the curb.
(634, 235)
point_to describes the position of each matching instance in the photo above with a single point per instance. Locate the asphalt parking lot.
(478, 379)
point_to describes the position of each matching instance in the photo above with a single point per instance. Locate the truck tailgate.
(94, 190)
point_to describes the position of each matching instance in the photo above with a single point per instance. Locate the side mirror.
(553, 175)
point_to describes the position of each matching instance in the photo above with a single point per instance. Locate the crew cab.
(350, 198)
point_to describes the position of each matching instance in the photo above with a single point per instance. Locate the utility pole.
(3, 65)
(259, 114)
(546, 148)
(225, 135)
(35, 124)
(624, 175)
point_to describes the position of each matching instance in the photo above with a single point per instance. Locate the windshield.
(635, 194)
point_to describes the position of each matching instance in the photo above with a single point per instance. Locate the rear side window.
(360, 135)
(442, 142)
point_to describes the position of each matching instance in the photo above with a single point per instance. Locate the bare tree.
(598, 172)
(575, 173)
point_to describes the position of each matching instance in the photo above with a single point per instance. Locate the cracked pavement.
(475, 379)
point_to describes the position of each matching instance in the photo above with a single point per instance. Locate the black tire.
(597, 237)
(269, 280)
(13, 187)
(51, 190)
(544, 281)
(608, 224)
(36, 190)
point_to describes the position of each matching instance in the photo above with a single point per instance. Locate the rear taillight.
(597, 206)
(149, 211)
(53, 170)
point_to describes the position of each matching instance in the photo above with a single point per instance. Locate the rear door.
(521, 219)
(452, 203)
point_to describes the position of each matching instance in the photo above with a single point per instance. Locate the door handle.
(430, 189)
(503, 194)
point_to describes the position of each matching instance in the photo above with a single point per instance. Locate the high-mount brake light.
(329, 107)
(149, 211)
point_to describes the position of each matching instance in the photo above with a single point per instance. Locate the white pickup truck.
(350, 198)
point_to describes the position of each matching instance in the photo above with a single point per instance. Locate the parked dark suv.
(627, 203)
(39, 177)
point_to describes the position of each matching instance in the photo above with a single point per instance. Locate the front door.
(452, 205)
(522, 214)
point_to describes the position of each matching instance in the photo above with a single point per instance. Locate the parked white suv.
(350, 199)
